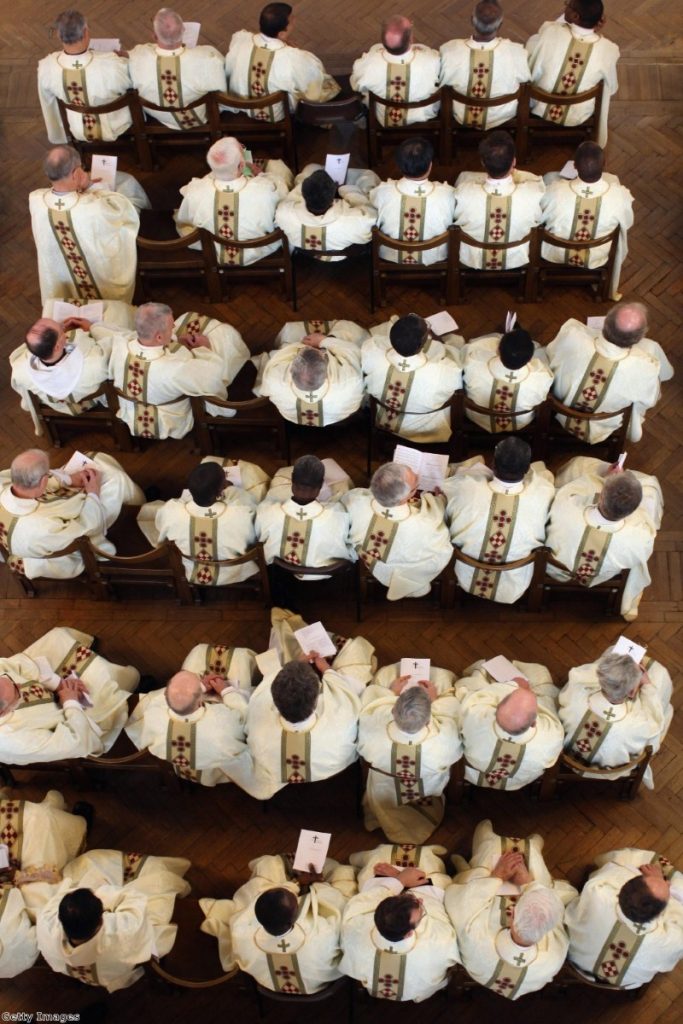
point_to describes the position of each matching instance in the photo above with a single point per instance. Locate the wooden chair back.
(564, 273)
(536, 557)
(467, 433)
(444, 272)
(100, 417)
(161, 259)
(468, 133)
(127, 140)
(254, 131)
(612, 590)
(340, 567)
(552, 436)
(525, 275)
(254, 417)
(383, 435)
(380, 135)
(277, 264)
(15, 565)
(532, 128)
(160, 566)
(258, 585)
(333, 258)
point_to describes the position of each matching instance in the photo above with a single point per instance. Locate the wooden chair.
(193, 961)
(254, 586)
(524, 276)
(462, 133)
(152, 135)
(336, 990)
(256, 131)
(468, 434)
(383, 437)
(552, 436)
(338, 570)
(599, 278)
(256, 417)
(15, 567)
(160, 566)
(532, 128)
(100, 417)
(436, 128)
(534, 593)
(322, 258)
(440, 589)
(173, 258)
(570, 976)
(444, 272)
(277, 264)
(570, 768)
(611, 590)
(128, 140)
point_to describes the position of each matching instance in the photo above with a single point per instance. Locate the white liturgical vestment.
(37, 728)
(489, 383)
(408, 771)
(408, 77)
(595, 375)
(599, 929)
(90, 79)
(413, 968)
(402, 855)
(305, 958)
(174, 78)
(412, 387)
(567, 59)
(583, 211)
(33, 528)
(494, 758)
(494, 521)
(414, 210)
(497, 210)
(315, 534)
(85, 242)
(348, 221)
(404, 547)
(484, 70)
(202, 745)
(138, 894)
(257, 65)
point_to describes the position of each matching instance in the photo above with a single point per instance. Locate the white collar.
(191, 718)
(408, 739)
(415, 186)
(393, 514)
(588, 189)
(503, 487)
(594, 517)
(162, 52)
(235, 185)
(210, 512)
(511, 952)
(148, 353)
(521, 739)
(57, 379)
(404, 946)
(302, 512)
(583, 33)
(478, 44)
(499, 371)
(305, 726)
(17, 506)
(610, 350)
(500, 186)
(398, 58)
(406, 364)
(599, 704)
(268, 43)
(312, 395)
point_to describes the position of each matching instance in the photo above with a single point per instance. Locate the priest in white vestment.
(586, 207)
(396, 936)
(401, 536)
(508, 374)
(627, 924)
(570, 56)
(40, 838)
(302, 721)
(85, 77)
(164, 361)
(508, 914)
(260, 63)
(429, 860)
(413, 208)
(111, 914)
(318, 215)
(409, 737)
(237, 201)
(484, 67)
(197, 721)
(43, 510)
(613, 708)
(413, 374)
(510, 730)
(91, 705)
(316, 380)
(498, 515)
(85, 237)
(602, 522)
(215, 521)
(398, 69)
(604, 370)
(499, 204)
(336, 483)
(283, 926)
(171, 74)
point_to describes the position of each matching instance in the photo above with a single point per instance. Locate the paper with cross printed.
(76, 263)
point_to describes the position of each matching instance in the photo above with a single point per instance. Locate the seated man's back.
(260, 63)
(317, 215)
(505, 373)
(172, 75)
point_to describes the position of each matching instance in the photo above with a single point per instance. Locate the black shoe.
(147, 684)
(85, 810)
(152, 493)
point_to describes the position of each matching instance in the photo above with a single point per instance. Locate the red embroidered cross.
(297, 764)
(312, 242)
(502, 985)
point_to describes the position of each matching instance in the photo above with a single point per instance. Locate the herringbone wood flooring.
(221, 830)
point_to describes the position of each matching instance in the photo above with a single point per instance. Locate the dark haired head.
(80, 914)
(497, 153)
(206, 483)
(319, 192)
(511, 459)
(638, 903)
(516, 348)
(394, 916)
(274, 19)
(408, 334)
(589, 161)
(276, 910)
(42, 339)
(414, 157)
(295, 691)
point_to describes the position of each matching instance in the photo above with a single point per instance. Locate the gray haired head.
(412, 710)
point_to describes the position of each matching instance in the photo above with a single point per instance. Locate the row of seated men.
(86, 234)
(596, 519)
(320, 372)
(566, 56)
(293, 716)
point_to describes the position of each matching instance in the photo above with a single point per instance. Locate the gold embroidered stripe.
(317, 326)
(397, 385)
(135, 381)
(377, 542)
(506, 979)
(313, 239)
(77, 660)
(192, 323)
(259, 71)
(295, 756)
(591, 392)
(507, 906)
(497, 230)
(86, 974)
(405, 767)
(584, 229)
(397, 88)
(171, 92)
(218, 659)
(12, 829)
(181, 749)
(284, 973)
(479, 85)
(589, 736)
(388, 975)
(496, 543)
(618, 952)
(77, 265)
(309, 414)
(296, 536)
(503, 398)
(133, 864)
(203, 541)
(504, 763)
(515, 844)
(412, 225)
(226, 224)
(405, 855)
(32, 694)
(75, 88)
(590, 554)
(7, 524)
(569, 78)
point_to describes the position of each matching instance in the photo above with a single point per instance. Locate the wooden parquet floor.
(221, 830)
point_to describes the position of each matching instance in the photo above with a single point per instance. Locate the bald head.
(397, 34)
(28, 469)
(625, 324)
(8, 694)
(60, 164)
(184, 692)
(225, 158)
(517, 713)
(46, 339)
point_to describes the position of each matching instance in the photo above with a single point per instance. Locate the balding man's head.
(625, 324)
(225, 158)
(183, 692)
(60, 163)
(397, 34)
(487, 18)
(28, 470)
(517, 712)
(168, 28)
(8, 695)
(46, 339)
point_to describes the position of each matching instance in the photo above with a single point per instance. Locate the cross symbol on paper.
(404, 365)
(284, 946)
(520, 959)
(301, 514)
